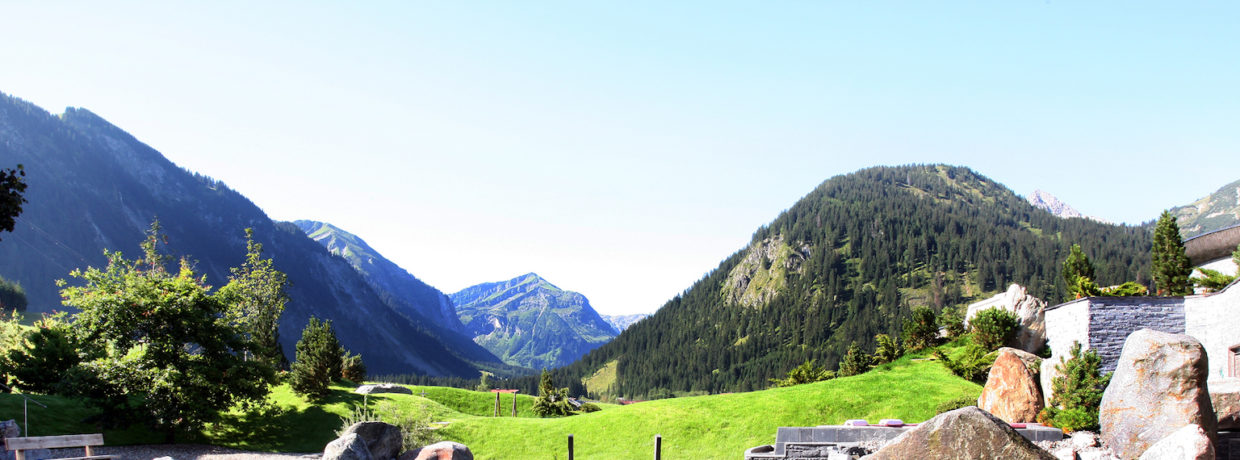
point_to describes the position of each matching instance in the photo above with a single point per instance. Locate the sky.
(623, 149)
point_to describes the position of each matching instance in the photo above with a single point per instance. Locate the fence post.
(497, 404)
(514, 404)
(570, 447)
(658, 447)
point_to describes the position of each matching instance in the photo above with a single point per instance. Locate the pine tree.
(855, 361)
(1170, 264)
(1077, 392)
(1077, 269)
(318, 360)
(888, 349)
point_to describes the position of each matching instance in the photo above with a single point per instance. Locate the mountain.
(622, 322)
(93, 186)
(1050, 203)
(846, 262)
(1216, 211)
(529, 322)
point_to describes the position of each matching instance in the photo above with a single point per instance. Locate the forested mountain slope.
(529, 322)
(1215, 211)
(849, 261)
(93, 186)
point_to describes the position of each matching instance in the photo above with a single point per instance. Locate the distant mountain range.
(530, 322)
(1044, 200)
(92, 186)
(622, 322)
(1215, 211)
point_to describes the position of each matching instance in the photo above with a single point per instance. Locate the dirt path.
(183, 452)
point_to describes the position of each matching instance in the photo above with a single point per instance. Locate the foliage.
(888, 349)
(159, 344)
(951, 320)
(415, 428)
(318, 360)
(255, 298)
(352, 368)
(953, 404)
(855, 362)
(1235, 256)
(483, 385)
(11, 188)
(590, 407)
(921, 330)
(994, 327)
(552, 401)
(1128, 289)
(973, 364)
(40, 362)
(1170, 265)
(1078, 272)
(807, 372)
(12, 296)
(1077, 392)
(1213, 280)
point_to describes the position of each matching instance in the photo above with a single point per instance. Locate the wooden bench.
(19, 445)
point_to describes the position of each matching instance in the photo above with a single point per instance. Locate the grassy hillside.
(717, 426)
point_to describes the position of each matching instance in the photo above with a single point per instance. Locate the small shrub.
(888, 349)
(352, 368)
(807, 372)
(855, 362)
(950, 405)
(952, 321)
(1077, 392)
(973, 365)
(589, 407)
(48, 352)
(415, 429)
(1128, 289)
(1212, 280)
(994, 327)
(921, 330)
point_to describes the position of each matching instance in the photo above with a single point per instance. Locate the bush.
(1212, 280)
(1077, 392)
(888, 349)
(551, 401)
(973, 365)
(39, 362)
(415, 429)
(855, 362)
(963, 401)
(921, 330)
(994, 327)
(952, 321)
(589, 407)
(1128, 289)
(352, 368)
(807, 372)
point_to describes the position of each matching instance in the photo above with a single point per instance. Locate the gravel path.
(181, 452)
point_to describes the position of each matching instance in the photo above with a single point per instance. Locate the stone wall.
(1111, 319)
(1214, 319)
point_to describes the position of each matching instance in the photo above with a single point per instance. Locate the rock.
(382, 388)
(1064, 453)
(1082, 440)
(961, 434)
(383, 440)
(1031, 311)
(1048, 374)
(1187, 443)
(446, 450)
(1159, 385)
(347, 447)
(10, 429)
(1012, 392)
(1225, 397)
(1032, 361)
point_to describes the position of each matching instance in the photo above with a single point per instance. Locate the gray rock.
(1225, 397)
(347, 447)
(1031, 311)
(382, 388)
(10, 429)
(446, 450)
(1048, 374)
(1082, 440)
(1187, 443)
(384, 440)
(968, 433)
(1159, 385)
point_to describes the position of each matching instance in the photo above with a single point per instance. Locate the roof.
(1218, 244)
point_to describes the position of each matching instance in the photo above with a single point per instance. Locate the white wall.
(1214, 320)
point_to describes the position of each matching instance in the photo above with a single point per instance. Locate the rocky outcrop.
(383, 440)
(445, 450)
(347, 447)
(1159, 385)
(382, 388)
(1225, 397)
(1012, 391)
(1031, 311)
(1187, 443)
(963, 433)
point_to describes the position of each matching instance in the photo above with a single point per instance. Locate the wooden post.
(497, 404)
(514, 404)
(570, 447)
(658, 447)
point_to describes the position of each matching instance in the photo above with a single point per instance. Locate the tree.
(952, 321)
(1077, 392)
(255, 298)
(921, 330)
(807, 372)
(46, 354)
(352, 368)
(1213, 280)
(994, 327)
(1076, 268)
(163, 349)
(855, 362)
(888, 349)
(1170, 264)
(551, 401)
(11, 188)
(318, 360)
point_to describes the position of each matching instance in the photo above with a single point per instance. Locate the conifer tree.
(318, 360)
(1078, 273)
(11, 188)
(855, 361)
(1170, 264)
(888, 349)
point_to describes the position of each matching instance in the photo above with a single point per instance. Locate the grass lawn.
(715, 426)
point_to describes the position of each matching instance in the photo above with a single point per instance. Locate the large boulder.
(347, 447)
(1049, 372)
(1187, 443)
(1159, 385)
(1031, 310)
(968, 433)
(382, 388)
(1012, 391)
(446, 450)
(1225, 397)
(384, 440)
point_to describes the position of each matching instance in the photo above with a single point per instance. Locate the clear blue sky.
(622, 149)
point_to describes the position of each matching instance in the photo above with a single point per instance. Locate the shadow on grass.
(277, 427)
